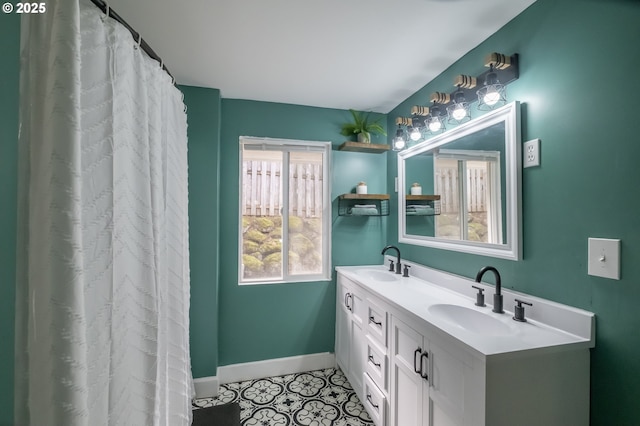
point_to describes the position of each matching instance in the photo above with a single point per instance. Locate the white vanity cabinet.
(411, 368)
(350, 343)
(427, 381)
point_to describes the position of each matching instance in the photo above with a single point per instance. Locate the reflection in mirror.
(470, 178)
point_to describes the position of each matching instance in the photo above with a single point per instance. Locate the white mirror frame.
(512, 249)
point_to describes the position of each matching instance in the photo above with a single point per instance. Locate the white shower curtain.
(102, 309)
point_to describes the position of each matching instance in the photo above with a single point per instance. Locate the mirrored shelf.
(422, 205)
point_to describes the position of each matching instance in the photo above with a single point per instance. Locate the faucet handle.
(479, 296)
(406, 270)
(391, 267)
(519, 310)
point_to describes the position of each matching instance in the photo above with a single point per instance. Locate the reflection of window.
(469, 185)
(284, 201)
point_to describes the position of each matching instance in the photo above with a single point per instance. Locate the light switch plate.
(604, 258)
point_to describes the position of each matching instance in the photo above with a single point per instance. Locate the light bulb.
(398, 143)
(415, 134)
(435, 125)
(491, 97)
(459, 112)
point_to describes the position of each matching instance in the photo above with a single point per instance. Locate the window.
(285, 222)
(471, 180)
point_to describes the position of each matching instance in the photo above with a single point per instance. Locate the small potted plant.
(362, 127)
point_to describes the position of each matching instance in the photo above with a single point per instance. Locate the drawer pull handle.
(371, 401)
(373, 361)
(416, 355)
(424, 374)
(373, 320)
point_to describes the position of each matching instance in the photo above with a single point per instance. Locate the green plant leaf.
(361, 124)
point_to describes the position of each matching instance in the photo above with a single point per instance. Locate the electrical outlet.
(531, 153)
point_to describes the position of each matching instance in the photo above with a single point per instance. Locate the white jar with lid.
(416, 189)
(361, 188)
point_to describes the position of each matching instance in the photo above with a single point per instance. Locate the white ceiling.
(361, 54)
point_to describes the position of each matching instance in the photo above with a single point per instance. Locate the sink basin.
(377, 275)
(470, 319)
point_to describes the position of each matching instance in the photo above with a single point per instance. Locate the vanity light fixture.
(400, 140)
(455, 107)
(435, 119)
(415, 133)
(493, 93)
(460, 111)
(417, 122)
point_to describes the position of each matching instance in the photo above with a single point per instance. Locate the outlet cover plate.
(604, 258)
(531, 153)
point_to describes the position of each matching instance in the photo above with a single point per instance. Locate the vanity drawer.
(375, 401)
(377, 323)
(376, 363)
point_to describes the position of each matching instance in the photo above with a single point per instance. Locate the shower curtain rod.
(106, 9)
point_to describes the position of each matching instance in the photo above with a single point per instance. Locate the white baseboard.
(208, 386)
(275, 367)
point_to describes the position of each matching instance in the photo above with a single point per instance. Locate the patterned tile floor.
(314, 398)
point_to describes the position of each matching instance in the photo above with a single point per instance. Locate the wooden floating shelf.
(422, 197)
(364, 147)
(365, 196)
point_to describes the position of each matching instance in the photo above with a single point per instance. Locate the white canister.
(361, 188)
(416, 189)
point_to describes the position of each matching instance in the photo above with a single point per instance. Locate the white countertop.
(550, 326)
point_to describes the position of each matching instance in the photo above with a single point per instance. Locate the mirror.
(461, 190)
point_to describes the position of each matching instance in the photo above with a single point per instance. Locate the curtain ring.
(107, 10)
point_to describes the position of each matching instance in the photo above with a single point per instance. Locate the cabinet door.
(447, 387)
(350, 344)
(343, 329)
(408, 390)
(358, 353)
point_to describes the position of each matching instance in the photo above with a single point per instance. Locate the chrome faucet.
(497, 297)
(398, 266)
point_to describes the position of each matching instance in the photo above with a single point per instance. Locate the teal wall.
(260, 322)
(579, 88)
(203, 120)
(9, 83)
